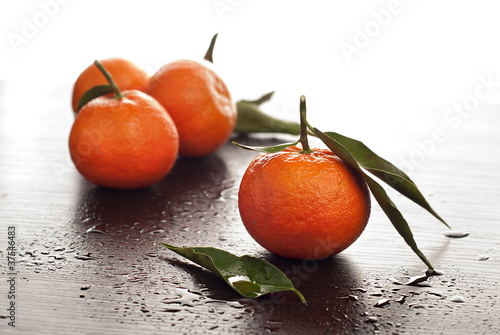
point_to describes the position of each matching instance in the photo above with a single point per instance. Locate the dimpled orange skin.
(199, 102)
(303, 206)
(127, 144)
(126, 75)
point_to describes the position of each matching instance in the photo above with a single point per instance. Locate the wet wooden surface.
(127, 283)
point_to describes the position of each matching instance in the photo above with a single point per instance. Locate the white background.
(419, 61)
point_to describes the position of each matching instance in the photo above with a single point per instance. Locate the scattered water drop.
(371, 319)
(455, 233)
(86, 257)
(85, 287)
(244, 283)
(235, 279)
(382, 302)
(190, 299)
(417, 305)
(401, 299)
(457, 298)
(349, 297)
(437, 294)
(157, 231)
(425, 284)
(172, 310)
(359, 289)
(186, 298)
(94, 230)
(482, 258)
(419, 281)
(269, 272)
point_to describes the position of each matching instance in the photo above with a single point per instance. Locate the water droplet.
(350, 297)
(371, 319)
(376, 294)
(94, 230)
(457, 298)
(455, 233)
(157, 231)
(360, 289)
(425, 284)
(482, 258)
(245, 284)
(382, 302)
(418, 281)
(190, 299)
(417, 305)
(172, 310)
(186, 298)
(437, 294)
(234, 279)
(269, 272)
(86, 257)
(85, 287)
(401, 299)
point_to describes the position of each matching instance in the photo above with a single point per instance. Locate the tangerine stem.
(303, 127)
(110, 80)
(210, 51)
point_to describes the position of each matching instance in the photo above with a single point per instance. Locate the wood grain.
(130, 284)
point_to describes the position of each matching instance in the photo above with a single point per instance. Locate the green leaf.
(384, 170)
(252, 120)
(93, 93)
(395, 216)
(378, 192)
(261, 100)
(269, 150)
(249, 276)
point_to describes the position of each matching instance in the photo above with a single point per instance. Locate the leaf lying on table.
(249, 276)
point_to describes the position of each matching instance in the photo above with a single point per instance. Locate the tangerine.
(199, 102)
(125, 74)
(303, 205)
(127, 141)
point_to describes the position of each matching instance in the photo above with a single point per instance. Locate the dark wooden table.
(89, 259)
